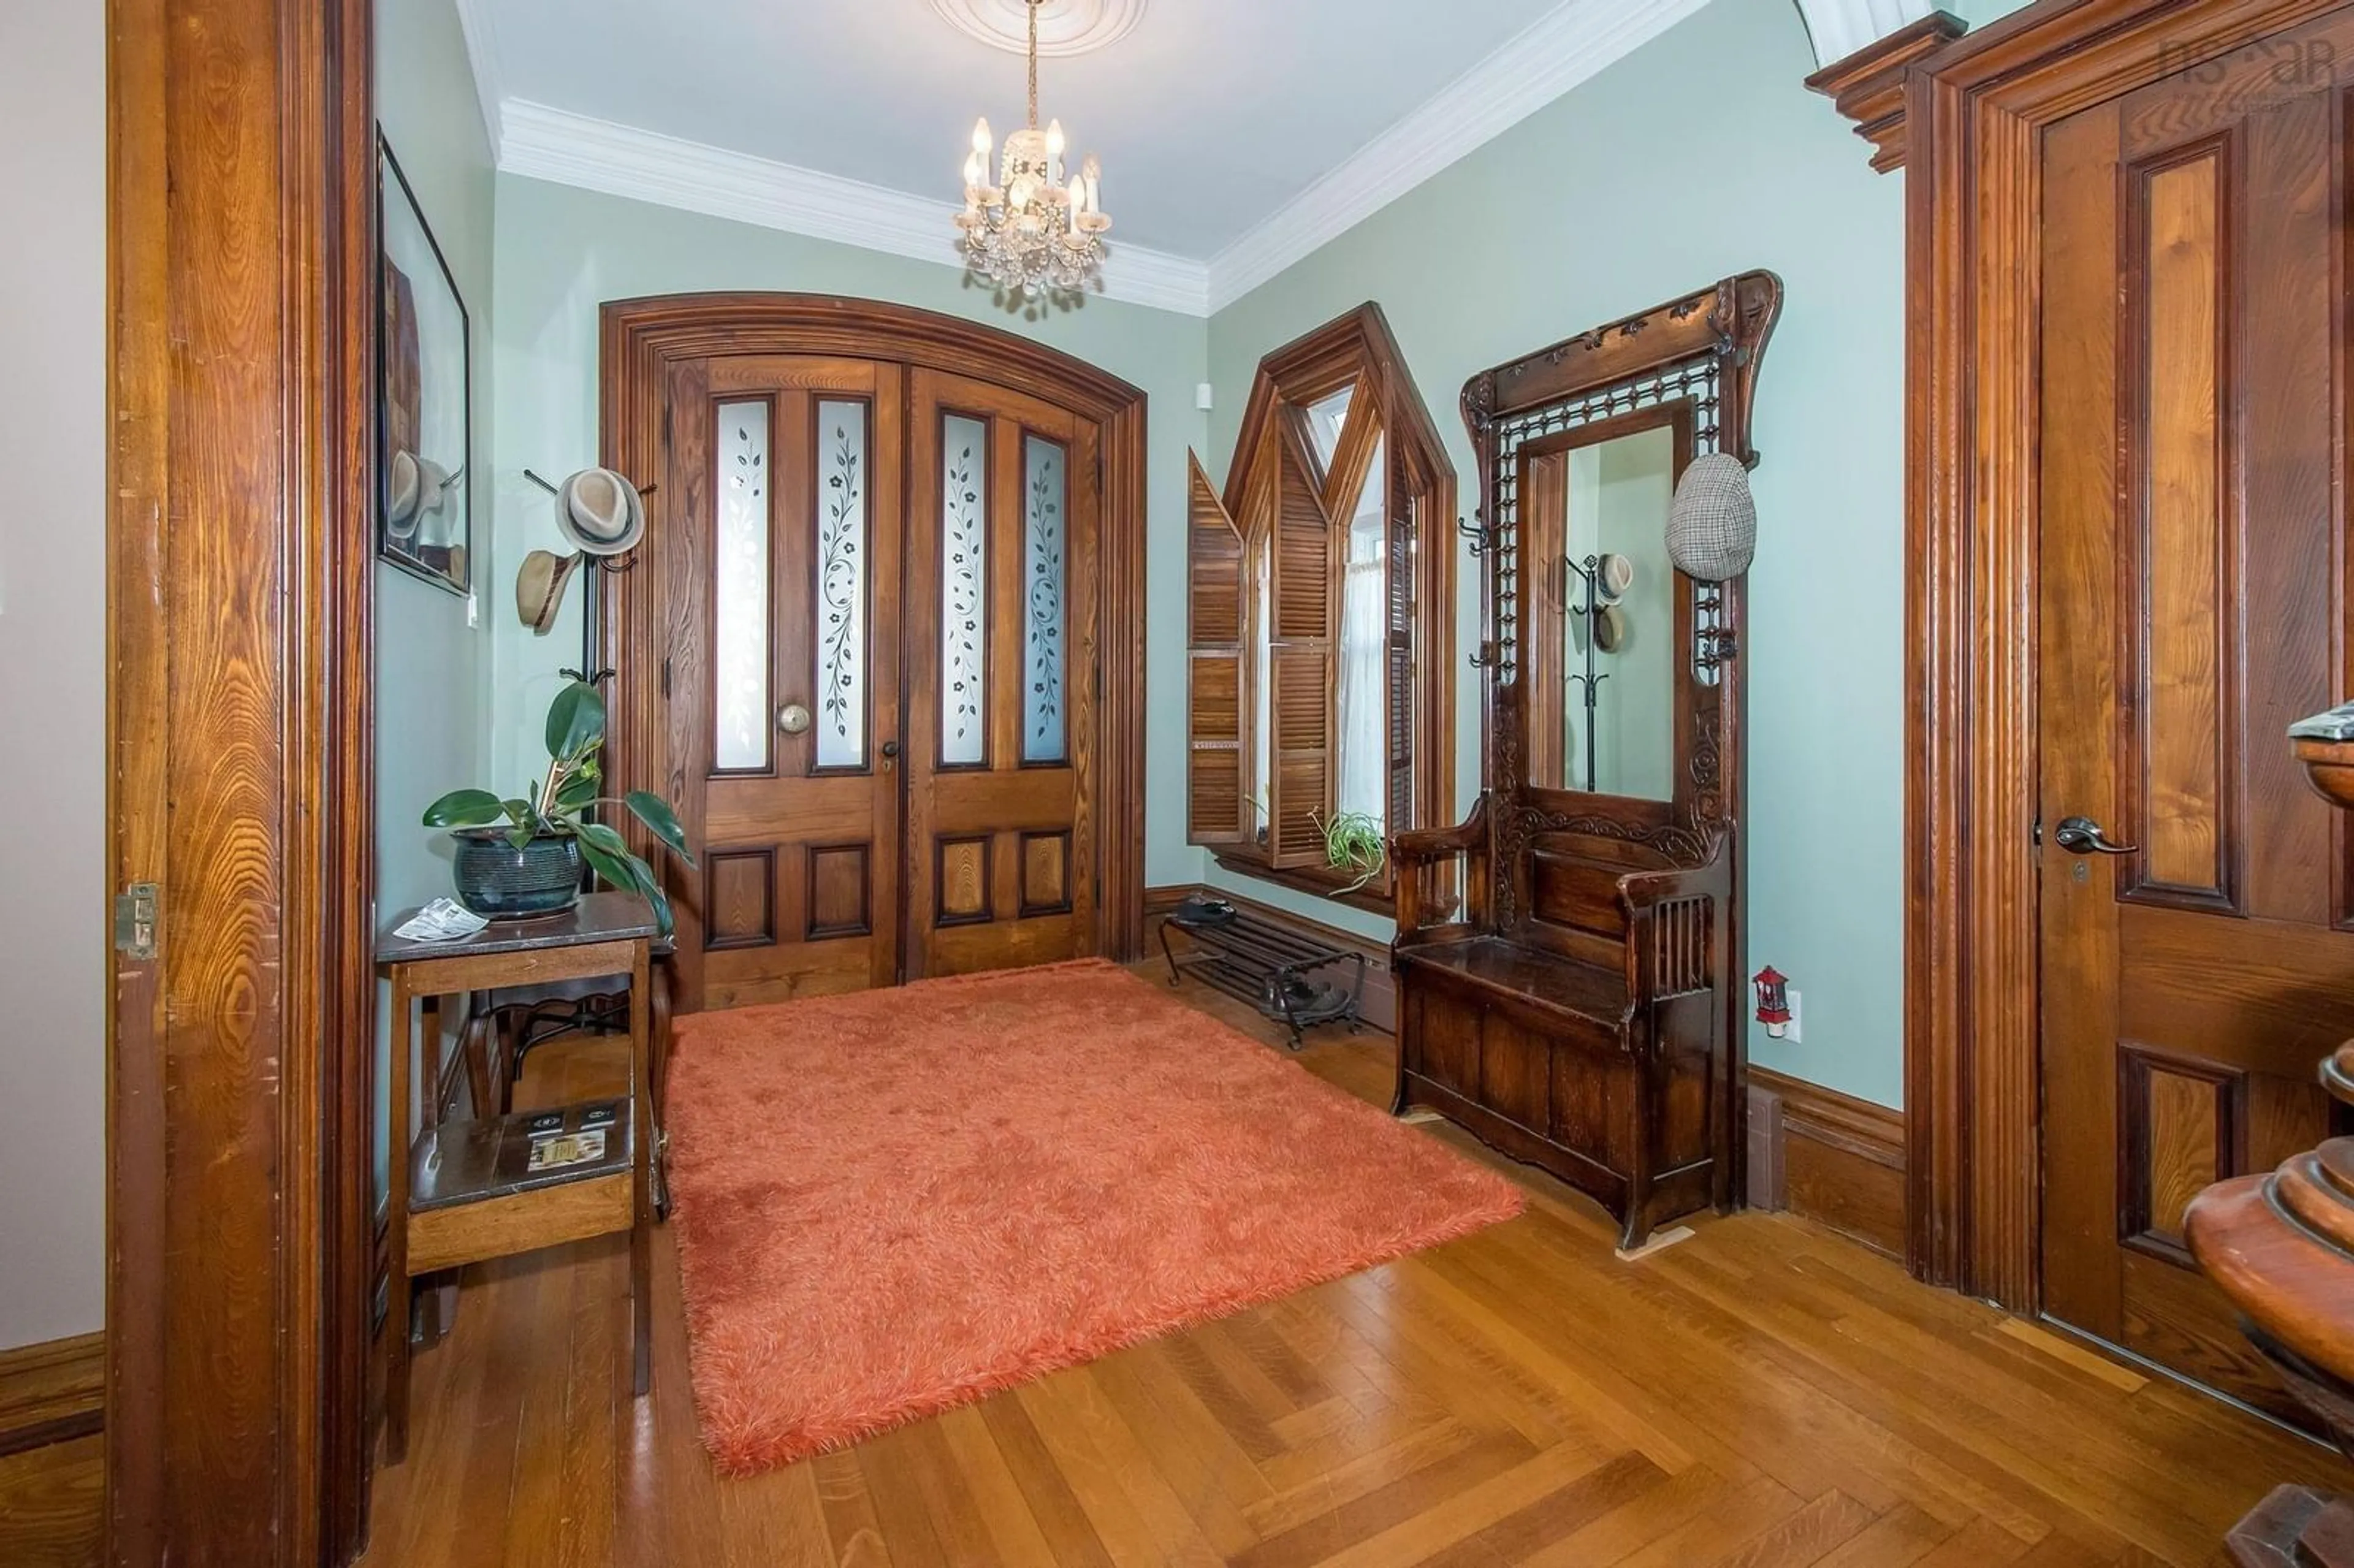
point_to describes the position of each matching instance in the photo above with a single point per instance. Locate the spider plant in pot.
(1353, 843)
(520, 857)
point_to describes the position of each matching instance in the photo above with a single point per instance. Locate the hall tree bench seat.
(462, 1191)
(1587, 1041)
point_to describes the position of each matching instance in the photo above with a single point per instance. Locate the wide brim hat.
(600, 513)
(1614, 575)
(402, 487)
(539, 588)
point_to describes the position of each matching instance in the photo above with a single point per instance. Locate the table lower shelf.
(473, 1194)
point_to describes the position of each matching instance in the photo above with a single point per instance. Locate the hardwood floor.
(1763, 1394)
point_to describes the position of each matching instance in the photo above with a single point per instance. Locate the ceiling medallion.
(1031, 234)
(1065, 26)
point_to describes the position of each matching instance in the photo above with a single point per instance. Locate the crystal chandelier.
(1031, 234)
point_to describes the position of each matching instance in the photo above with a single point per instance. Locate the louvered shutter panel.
(1216, 810)
(1403, 591)
(1304, 608)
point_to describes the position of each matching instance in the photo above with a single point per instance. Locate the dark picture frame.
(424, 363)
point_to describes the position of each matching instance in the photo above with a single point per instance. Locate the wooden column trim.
(1975, 113)
(241, 274)
(1868, 85)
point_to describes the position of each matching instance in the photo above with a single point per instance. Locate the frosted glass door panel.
(1044, 543)
(843, 585)
(739, 617)
(964, 593)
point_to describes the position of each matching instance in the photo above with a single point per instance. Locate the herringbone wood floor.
(1763, 1394)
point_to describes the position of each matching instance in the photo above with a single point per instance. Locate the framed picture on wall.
(424, 394)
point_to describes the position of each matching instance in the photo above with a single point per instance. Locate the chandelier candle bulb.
(1035, 234)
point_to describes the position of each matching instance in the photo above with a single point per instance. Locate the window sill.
(1374, 899)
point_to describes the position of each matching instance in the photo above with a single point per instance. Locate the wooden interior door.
(2197, 955)
(1002, 630)
(783, 674)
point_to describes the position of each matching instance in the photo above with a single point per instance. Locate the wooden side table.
(464, 1191)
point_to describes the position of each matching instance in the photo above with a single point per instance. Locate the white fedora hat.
(600, 513)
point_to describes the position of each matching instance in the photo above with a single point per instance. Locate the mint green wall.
(1698, 156)
(562, 252)
(432, 712)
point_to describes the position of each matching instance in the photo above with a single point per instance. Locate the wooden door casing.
(1973, 112)
(2190, 437)
(647, 617)
(1001, 858)
(799, 875)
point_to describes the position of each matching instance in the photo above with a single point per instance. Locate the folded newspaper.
(444, 920)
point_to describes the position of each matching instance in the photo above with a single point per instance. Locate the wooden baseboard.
(1827, 1156)
(1380, 1006)
(52, 1393)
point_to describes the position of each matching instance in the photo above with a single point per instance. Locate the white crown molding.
(483, 54)
(1842, 27)
(571, 149)
(1567, 46)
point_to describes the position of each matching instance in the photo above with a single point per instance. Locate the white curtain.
(1362, 779)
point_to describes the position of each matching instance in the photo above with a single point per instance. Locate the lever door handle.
(2081, 836)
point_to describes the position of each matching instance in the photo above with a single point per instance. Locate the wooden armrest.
(1642, 890)
(1421, 846)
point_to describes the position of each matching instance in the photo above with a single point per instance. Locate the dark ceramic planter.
(500, 882)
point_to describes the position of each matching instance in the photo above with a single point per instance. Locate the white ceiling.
(1235, 135)
(1208, 117)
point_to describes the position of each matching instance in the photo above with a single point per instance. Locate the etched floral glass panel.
(842, 584)
(964, 592)
(1046, 493)
(739, 617)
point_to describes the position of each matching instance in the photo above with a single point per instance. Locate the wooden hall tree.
(241, 262)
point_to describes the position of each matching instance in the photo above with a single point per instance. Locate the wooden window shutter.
(1304, 608)
(1404, 502)
(1216, 811)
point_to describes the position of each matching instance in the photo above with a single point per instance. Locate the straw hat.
(600, 513)
(539, 588)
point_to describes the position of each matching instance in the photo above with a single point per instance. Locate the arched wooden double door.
(882, 644)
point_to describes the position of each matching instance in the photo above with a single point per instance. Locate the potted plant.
(1353, 842)
(531, 865)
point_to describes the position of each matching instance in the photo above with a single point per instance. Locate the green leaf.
(613, 868)
(625, 871)
(576, 721)
(655, 813)
(578, 791)
(465, 809)
(604, 838)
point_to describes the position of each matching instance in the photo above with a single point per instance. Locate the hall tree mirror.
(1600, 654)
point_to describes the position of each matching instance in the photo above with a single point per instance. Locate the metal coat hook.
(555, 490)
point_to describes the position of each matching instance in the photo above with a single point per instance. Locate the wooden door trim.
(241, 265)
(641, 338)
(1975, 113)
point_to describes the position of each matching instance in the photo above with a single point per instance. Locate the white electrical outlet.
(1792, 1033)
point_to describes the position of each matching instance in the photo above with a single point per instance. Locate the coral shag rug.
(891, 1204)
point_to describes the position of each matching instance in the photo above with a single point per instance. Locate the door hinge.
(137, 910)
(665, 686)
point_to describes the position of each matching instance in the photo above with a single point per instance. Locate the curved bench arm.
(1417, 857)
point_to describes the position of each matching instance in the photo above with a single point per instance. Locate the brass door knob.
(793, 718)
